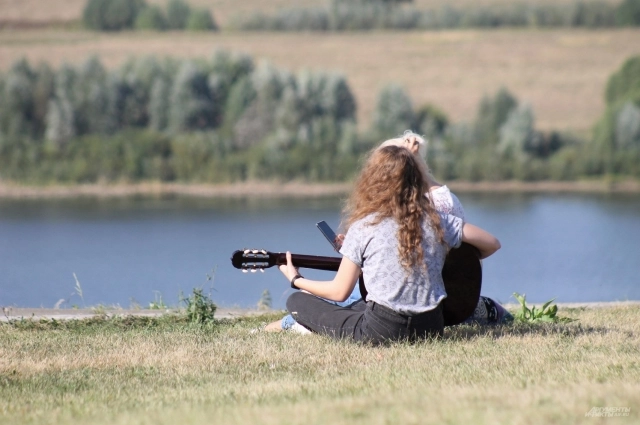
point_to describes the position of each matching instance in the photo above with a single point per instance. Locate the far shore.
(290, 189)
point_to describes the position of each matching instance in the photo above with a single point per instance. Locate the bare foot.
(274, 326)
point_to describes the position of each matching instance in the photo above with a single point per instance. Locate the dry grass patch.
(163, 372)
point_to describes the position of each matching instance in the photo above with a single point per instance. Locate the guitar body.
(462, 275)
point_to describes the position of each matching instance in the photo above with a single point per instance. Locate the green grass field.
(164, 371)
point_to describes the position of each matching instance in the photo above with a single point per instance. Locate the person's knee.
(295, 301)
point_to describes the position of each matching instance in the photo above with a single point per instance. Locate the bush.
(628, 13)
(177, 14)
(151, 18)
(111, 15)
(201, 20)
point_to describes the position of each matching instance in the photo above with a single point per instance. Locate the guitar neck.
(310, 261)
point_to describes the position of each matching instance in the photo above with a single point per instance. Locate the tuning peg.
(246, 251)
(245, 271)
(261, 270)
(262, 251)
(254, 270)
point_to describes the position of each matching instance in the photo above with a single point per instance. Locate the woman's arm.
(337, 289)
(486, 243)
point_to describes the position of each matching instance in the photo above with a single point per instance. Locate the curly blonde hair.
(392, 185)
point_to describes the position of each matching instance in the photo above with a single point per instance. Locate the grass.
(561, 73)
(164, 370)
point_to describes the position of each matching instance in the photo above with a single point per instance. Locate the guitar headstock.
(252, 260)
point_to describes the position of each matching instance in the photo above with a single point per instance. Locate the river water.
(127, 252)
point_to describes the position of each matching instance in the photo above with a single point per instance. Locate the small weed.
(100, 309)
(157, 303)
(199, 307)
(532, 315)
(78, 289)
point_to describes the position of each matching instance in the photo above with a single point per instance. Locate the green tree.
(42, 94)
(201, 20)
(614, 129)
(258, 119)
(627, 128)
(191, 104)
(60, 121)
(492, 114)
(18, 101)
(159, 104)
(516, 133)
(111, 15)
(628, 13)
(177, 14)
(393, 112)
(624, 84)
(242, 94)
(151, 18)
(338, 100)
(431, 121)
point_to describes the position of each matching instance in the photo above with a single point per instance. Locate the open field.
(561, 73)
(39, 12)
(160, 371)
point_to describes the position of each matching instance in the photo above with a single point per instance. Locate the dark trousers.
(367, 322)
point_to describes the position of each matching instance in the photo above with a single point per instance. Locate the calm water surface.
(575, 248)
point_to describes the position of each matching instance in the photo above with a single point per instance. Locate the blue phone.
(328, 233)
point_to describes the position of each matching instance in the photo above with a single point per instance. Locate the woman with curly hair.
(399, 242)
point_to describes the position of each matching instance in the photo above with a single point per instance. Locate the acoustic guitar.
(462, 275)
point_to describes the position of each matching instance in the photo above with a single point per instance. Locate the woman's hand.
(288, 270)
(339, 240)
(412, 143)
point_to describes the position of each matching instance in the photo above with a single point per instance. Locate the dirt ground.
(14, 313)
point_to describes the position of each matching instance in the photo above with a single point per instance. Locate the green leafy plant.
(200, 308)
(547, 313)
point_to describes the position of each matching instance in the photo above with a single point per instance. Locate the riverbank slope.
(292, 189)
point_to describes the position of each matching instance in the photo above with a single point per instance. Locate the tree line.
(116, 15)
(358, 15)
(226, 119)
